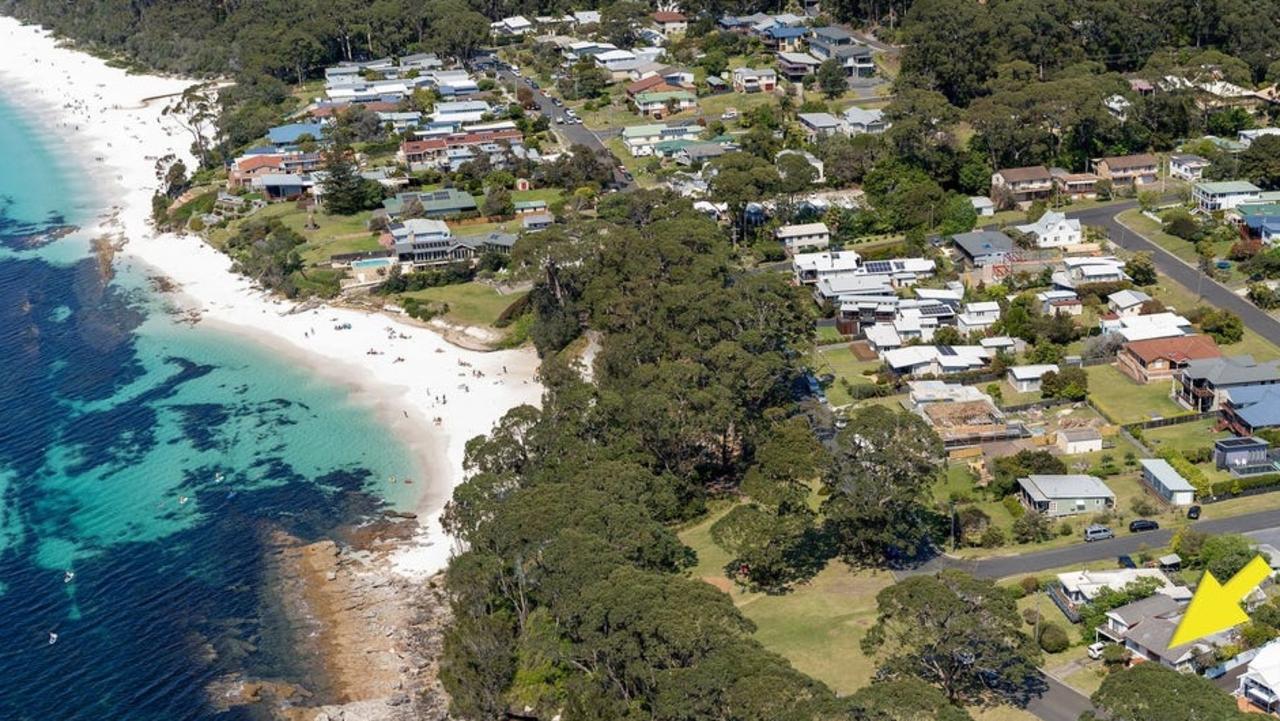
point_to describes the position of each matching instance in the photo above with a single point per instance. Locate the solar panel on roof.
(935, 311)
(946, 350)
(878, 266)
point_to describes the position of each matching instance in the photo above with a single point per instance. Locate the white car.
(1095, 650)
(729, 114)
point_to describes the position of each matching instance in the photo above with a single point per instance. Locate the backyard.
(472, 304)
(1122, 400)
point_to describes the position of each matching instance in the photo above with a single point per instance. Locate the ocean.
(144, 464)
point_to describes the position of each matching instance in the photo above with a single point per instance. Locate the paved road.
(1005, 566)
(1059, 703)
(1169, 264)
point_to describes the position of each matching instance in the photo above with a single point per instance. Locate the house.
(1089, 269)
(1202, 384)
(856, 286)
(524, 207)
(918, 360)
(1249, 409)
(640, 140)
(1082, 587)
(460, 112)
(1166, 482)
(424, 241)
(1146, 627)
(1224, 195)
(856, 60)
(1054, 230)
(282, 186)
(832, 36)
(1026, 379)
(658, 104)
(1118, 106)
(818, 125)
(809, 268)
(617, 62)
(1079, 440)
(1259, 685)
(1010, 186)
(1055, 302)
(1077, 186)
(1237, 454)
(807, 235)
(978, 317)
(1065, 495)
(512, 26)
(1137, 170)
(980, 248)
(819, 174)
(982, 206)
(434, 203)
(751, 80)
(1146, 327)
(244, 169)
(784, 39)
(1158, 358)
(1127, 302)
(860, 120)
(586, 17)
(1187, 167)
(1246, 137)
(797, 66)
(694, 154)
(533, 222)
(283, 136)
(670, 22)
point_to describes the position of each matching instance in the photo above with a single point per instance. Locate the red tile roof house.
(417, 153)
(245, 169)
(655, 83)
(1156, 359)
(670, 23)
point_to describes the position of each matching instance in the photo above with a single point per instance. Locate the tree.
(1032, 527)
(884, 465)
(1008, 469)
(1070, 383)
(1224, 555)
(831, 78)
(742, 178)
(950, 46)
(1263, 296)
(1150, 691)
(905, 699)
(345, 192)
(796, 173)
(1141, 269)
(1225, 326)
(1260, 162)
(497, 201)
(958, 633)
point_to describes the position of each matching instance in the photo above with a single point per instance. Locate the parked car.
(1126, 561)
(1193, 512)
(1143, 524)
(1095, 650)
(1097, 533)
(729, 114)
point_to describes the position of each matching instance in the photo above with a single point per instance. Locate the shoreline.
(105, 110)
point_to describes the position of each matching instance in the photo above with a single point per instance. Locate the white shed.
(1167, 482)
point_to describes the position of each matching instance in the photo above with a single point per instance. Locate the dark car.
(1126, 562)
(1193, 512)
(1143, 524)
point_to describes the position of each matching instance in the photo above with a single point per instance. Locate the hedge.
(1194, 475)
(1012, 505)
(1236, 486)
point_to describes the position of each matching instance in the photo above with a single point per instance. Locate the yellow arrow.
(1216, 607)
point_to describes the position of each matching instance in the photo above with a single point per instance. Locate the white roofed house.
(1260, 683)
(1079, 440)
(460, 112)
(818, 125)
(805, 235)
(512, 26)
(1083, 271)
(1127, 302)
(978, 317)
(1162, 478)
(1187, 167)
(1054, 230)
(1027, 378)
(858, 121)
(424, 241)
(1223, 195)
(809, 268)
(921, 360)
(838, 287)
(1065, 495)
(1146, 327)
(1081, 587)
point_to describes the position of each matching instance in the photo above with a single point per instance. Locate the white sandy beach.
(101, 110)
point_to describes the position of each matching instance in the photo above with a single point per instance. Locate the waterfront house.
(1065, 495)
(283, 136)
(1166, 482)
(1136, 170)
(1158, 358)
(1010, 186)
(424, 241)
(1202, 384)
(1224, 195)
(282, 186)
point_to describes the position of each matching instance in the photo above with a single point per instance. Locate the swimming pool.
(372, 263)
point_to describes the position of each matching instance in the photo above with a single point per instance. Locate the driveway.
(1189, 276)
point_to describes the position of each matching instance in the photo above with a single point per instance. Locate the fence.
(1059, 598)
(1175, 421)
(1042, 403)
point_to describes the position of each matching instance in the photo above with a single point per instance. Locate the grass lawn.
(1153, 231)
(817, 627)
(1184, 437)
(1183, 300)
(549, 195)
(829, 334)
(469, 303)
(842, 363)
(713, 106)
(333, 234)
(1086, 679)
(1122, 400)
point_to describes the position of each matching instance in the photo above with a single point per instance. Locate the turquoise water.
(153, 461)
(372, 263)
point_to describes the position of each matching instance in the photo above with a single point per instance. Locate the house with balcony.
(1146, 627)
(1249, 409)
(1224, 195)
(809, 268)
(751, 80)
(978, 317)
(1129, 170)
(1157, 359)
(1259, 685)
(856, 59)
(1185, 166)
(1203, 384)
(1077, 186)
(805, 235)
(797, 66)
(670, 23)
(784, 39)
(1011, 186)
(819, 125)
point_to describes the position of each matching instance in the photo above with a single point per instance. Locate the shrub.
(1029, 584)
(1064, 529)
(992, 538)
(1053, 639)
(1012, 505)
(1143, 507)
(1031, 616)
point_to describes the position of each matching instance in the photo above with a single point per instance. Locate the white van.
(1097, 533)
